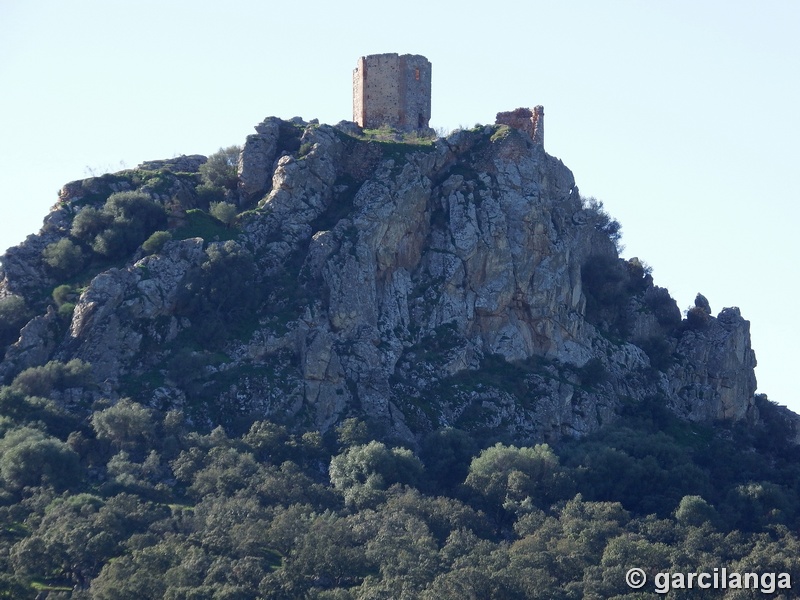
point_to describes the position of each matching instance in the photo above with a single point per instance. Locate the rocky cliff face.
(462, 282)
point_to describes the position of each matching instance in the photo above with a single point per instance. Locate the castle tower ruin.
(393, 90)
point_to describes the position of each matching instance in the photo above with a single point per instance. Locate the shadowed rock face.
(420, 286)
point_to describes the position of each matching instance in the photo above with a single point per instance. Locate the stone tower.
(393, 90)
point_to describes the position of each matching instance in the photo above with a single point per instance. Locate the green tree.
(224, 212)
(695, 511)
(220, 291)
(77, 534)
(208, 194)
(362, 472)
(135, 477)
(646, 471)
(220, 168)
(327, 553)
(135, 208)
(30, 457)
(507, 478)
(234, 526)
(127, 425)
(441, 515)
(776, 552)
(64, 257)
(620, 554)
(402, 548)
(472, 568)
(89, 222)
(136, 576)
(134, 216)
(268, 441)
(54, 375)
(156, 241)
(352, 432)
(34, 558)
(62, 294)
(36, 411)
(755, 505)
(229, 274)
(593, 524)
(14, 314)
(124, 222)
(447, 454)
(13, 403)
(226, 470)
(14, 588)
(602, 221)
(605, 280)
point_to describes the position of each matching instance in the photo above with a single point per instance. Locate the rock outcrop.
(715, 379)
(462, 282)
(255, 161)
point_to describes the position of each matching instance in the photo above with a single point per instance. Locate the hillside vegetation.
(346, 364)
(135, 503)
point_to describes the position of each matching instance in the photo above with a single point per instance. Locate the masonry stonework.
(527, 120)
(393, 90)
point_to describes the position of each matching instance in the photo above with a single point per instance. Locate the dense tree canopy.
(128, 502)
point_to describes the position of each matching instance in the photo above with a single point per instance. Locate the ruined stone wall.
(527, 120)
(359, 75)
(416, 107)
(394, 90)
(381, 90)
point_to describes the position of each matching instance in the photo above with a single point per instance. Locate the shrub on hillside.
(208, 194)
(605, 280)
(220, 291)
(62, 293)
(66, 310)
(64, 257)
(224, 212)
(124, 222)
(126, 425)
(602, 221)
(156, 241)
(55, 375)
(14, 314)
(697, 318)
(89, 222)
(31, 457)
(220, 169)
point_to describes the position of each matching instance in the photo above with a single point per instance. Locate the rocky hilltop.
(417, 283)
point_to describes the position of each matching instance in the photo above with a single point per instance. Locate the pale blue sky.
(682, 116)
